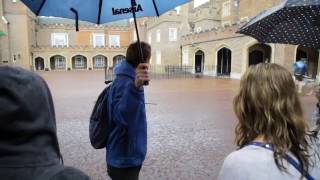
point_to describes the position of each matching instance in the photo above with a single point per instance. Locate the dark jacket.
(127, 143)
(29, 146)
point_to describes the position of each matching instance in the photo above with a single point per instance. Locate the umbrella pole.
(133, 5)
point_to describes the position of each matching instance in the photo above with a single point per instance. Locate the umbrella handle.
(133, 6)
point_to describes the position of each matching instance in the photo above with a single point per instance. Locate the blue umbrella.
(102, 11)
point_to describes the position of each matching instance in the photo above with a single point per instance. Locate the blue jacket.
(300, 68)
(127, 143)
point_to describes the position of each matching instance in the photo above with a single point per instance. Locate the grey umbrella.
(291, 22)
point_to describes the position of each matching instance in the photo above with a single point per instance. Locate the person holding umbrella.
(127, 142)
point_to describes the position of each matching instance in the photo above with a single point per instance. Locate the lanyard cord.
(287, 157)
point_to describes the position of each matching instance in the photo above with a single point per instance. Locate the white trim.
(158, 35)
(226, 9)
(158, 57)
(235, 75)
(118, 43)
(95, 35)
(64, 35)
(173, 34)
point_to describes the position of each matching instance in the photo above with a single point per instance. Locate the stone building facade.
(200, 34)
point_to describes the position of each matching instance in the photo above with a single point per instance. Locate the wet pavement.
(190, 124)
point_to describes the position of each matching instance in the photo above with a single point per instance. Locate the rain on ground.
(190, 124)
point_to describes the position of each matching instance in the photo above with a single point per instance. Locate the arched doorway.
(117, 59)
(79, 62)
(39, 63)
(259, 53)
(100, 62)
(311, 55)
(224, 62)
(199, 61)
(57, 62)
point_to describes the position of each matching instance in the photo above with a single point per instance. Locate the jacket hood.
(27, 120)
(124, 68)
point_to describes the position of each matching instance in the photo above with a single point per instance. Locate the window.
(59, 39)
(98, 40)
(99, 61)
(198, 3)
(158, 35)
(59, 62)
(185, 56)
(226, 9)
(79, 62)
(114, 41)
(172, 34)
(158, 57)
(150, 38)
(14, 58)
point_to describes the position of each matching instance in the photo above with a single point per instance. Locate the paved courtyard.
(190, 124)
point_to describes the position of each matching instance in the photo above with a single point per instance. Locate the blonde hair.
(268, 104)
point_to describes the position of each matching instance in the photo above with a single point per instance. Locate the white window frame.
(117, 45)
(185, 56)
(226, 9)
(118, 59)
(59, 62)
(100, 61)
(95, 40)
(79, 62)
(173, 34)
(158, 35)
(14, 58)
(149, 38)
(158, 57)
(54, 37)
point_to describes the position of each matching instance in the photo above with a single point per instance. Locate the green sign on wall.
(2, 33)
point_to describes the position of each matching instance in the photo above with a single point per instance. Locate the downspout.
(7, 26)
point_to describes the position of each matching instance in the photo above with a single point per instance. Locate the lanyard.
(293, 162)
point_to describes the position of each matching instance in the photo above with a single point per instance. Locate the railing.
(168, 72)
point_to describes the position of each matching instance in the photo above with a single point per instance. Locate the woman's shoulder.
(246, 163)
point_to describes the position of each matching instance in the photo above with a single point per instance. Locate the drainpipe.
(6, 22)
(181, 54)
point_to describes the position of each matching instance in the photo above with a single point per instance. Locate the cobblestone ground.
(190, 124)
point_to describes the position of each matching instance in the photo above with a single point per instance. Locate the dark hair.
(132, 55)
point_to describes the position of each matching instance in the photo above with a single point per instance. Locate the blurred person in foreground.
(29, 147)
(271, 133)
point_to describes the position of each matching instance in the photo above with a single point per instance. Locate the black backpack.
(99, 129)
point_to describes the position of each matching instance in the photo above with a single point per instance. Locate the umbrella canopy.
(100, 11)
(291, 22)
